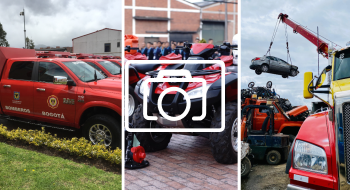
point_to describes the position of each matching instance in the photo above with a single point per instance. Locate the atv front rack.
(154, 74)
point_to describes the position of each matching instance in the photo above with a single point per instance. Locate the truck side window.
(96, 67)
(47, 70)
(21, 70)
(264, 110)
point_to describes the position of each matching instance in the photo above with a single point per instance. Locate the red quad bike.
(224, 144)
(138, 71)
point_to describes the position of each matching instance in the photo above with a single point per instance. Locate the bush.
(79, 147)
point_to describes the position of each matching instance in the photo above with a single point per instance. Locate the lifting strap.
(273, 35)
(288, 54)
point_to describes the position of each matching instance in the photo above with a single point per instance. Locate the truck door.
(54, 103)
(17, 89)
(261, 114)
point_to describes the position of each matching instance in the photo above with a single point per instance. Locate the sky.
(258, 23)
(57, 22)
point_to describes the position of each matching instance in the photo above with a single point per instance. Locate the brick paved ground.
(187, 163)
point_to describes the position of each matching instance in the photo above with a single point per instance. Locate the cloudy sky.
(258, 22)
(57, 22)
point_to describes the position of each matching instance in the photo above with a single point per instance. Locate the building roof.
(95, 32)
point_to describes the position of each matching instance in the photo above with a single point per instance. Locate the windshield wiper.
(93, 80)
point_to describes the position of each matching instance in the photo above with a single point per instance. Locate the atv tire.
(147, 140)
(105, 125)
(135, 103)
(246, 166)
(220, 142)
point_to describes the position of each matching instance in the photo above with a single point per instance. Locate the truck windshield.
(342, 65)
(112, 68)
(83, 71)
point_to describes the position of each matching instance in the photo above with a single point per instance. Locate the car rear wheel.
(103, 128)
(258, 72)
(149, 141)
(264, 68)
(223, 145)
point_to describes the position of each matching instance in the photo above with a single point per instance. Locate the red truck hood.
(109, 84)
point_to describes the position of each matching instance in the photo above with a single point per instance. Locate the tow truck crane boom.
(322, 45)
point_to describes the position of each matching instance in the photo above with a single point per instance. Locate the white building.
(102, 42)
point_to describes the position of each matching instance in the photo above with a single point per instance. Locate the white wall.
(94, 43)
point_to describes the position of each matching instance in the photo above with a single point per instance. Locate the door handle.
(7, 86)
(40, 89)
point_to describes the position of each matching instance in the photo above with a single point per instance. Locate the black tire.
(291, 138)
(136, 102)
(284, 76)
(246, 166)
(264, 68)
(273, 157)
(258, 72)
(220, 142)
(113, 125)
(293, 73)
(148, 140)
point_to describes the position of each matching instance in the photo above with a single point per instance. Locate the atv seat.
(143, 68)
(263, 127)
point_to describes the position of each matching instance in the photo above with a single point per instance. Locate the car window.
(47, 71)
(96, 67)
(112, 68)
(21, 70)
(83, 71)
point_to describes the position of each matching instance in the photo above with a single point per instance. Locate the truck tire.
(273, 157)
(100, 127)
(149, 141)
(246, 165)
(220, 142)
(133, 103)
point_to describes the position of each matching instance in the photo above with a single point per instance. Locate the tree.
(29, 43)
(3, 41)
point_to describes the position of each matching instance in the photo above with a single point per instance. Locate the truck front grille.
(346, 122)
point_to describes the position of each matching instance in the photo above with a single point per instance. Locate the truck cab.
(325, 164)
(60, 92)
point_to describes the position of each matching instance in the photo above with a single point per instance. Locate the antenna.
(318, 53)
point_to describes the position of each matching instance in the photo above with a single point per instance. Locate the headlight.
(144, 89)
(309, 157)
(197, 92)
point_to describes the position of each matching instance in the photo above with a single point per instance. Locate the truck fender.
(289, 124)
(88, 105)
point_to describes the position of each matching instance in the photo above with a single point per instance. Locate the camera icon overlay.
(146, 87)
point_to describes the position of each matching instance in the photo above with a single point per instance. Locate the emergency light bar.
(52, 54)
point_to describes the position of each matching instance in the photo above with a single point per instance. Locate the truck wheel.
(221, 143)
(273, 157)
(258, 72)
(133, 103)
(150, 141)
(245, 167)
(264, 68)
(103, 128)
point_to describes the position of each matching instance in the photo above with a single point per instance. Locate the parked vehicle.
(223, 144)
(274, 65)
(60, 92)
(52, 54)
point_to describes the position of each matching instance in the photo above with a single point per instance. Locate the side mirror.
(307, 79)
(60, 80)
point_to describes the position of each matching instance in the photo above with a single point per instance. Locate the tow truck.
(319, 155)
(61, 93)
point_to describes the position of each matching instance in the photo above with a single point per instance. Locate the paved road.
(187, 163)
(266, 177)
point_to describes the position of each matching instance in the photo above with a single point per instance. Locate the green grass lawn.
(25, 169)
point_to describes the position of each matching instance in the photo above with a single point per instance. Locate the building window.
(107, 47)
(118, 44)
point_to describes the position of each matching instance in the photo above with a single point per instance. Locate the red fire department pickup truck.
(60, 92)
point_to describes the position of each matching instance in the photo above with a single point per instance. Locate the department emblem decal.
(52, 101)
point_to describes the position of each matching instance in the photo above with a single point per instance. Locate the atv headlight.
(144, 88)
(309, 157)
(197, 92)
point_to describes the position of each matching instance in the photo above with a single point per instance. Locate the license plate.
(301, 178)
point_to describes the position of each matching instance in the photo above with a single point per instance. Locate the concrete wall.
(95, 42)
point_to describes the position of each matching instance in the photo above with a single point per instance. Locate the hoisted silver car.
(274, 65)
